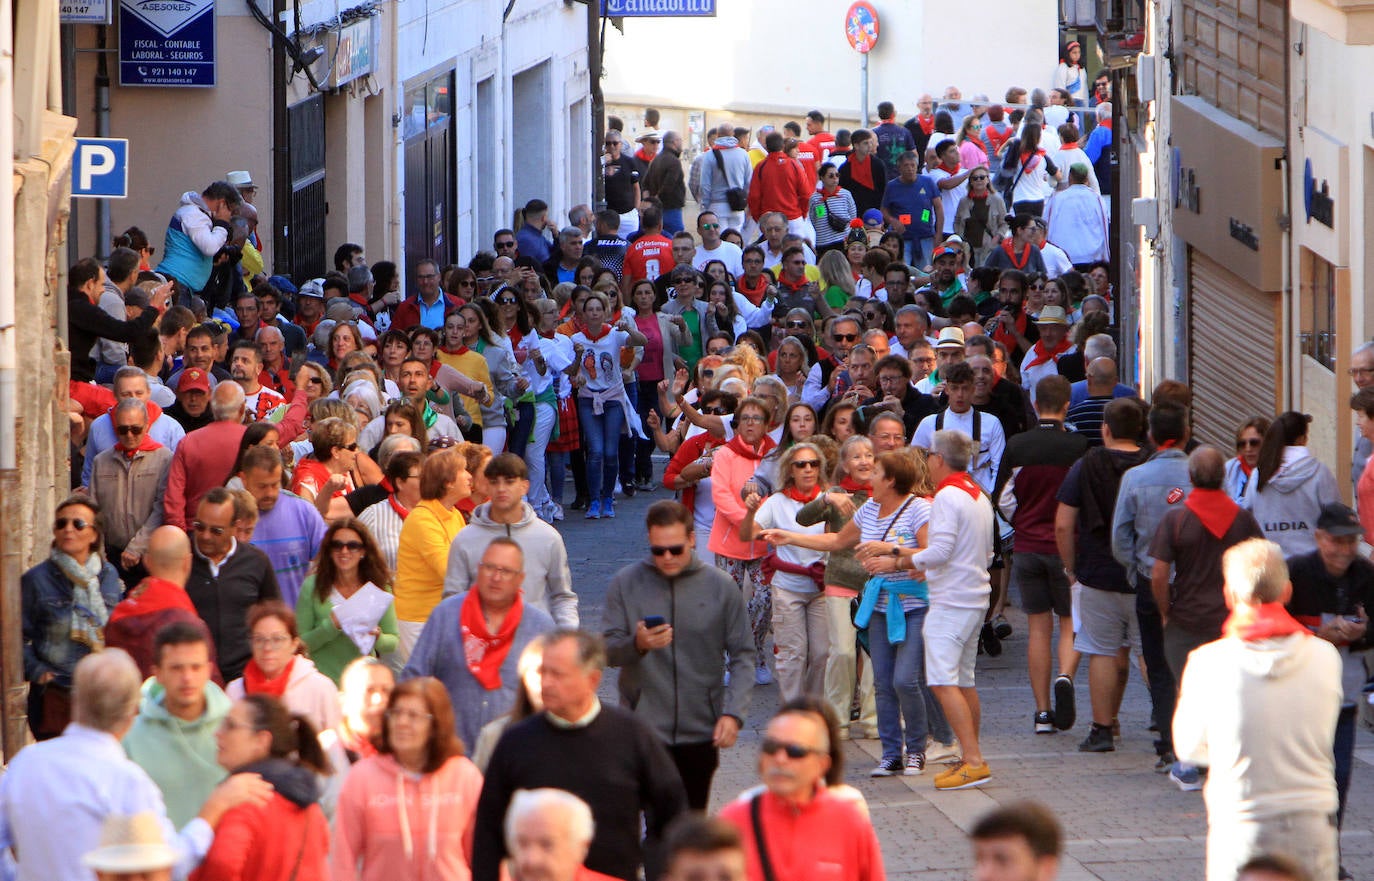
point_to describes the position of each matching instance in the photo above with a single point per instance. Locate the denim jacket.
(47, 610)
(1148, 492)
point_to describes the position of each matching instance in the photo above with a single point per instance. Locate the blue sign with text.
(167, 42)
(100, 168)
(657, 8)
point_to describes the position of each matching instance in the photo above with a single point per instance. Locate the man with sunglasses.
(227, 579)
(622, 184)
(128, 481)
(802, 826)
(669, 623)
(825, 380)
(713, 247)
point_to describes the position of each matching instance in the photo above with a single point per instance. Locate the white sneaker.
(942, 752)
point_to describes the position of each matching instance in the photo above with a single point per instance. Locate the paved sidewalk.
(1123, 822)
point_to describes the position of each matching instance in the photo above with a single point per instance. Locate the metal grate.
(303, 230)
(307, 239)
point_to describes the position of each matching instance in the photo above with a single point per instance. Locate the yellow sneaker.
(964, 776)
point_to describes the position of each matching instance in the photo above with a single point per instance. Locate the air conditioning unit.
(1145, 78)
(1145, 212)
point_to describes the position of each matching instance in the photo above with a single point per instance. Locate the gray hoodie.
(678, 690)
(548, 583)
(1288, 506)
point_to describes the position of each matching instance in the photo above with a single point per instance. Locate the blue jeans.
(601, 440)
(918, 251)
(672, 221)
(899, 687)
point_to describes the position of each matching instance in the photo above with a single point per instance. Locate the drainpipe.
(11, 566)
(104, 237)
(398, 102)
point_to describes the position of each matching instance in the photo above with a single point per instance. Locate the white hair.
(1099, 345)
(1255, 572)
(227, 402)
(1104, 111)
(955, 447)
(577, 815)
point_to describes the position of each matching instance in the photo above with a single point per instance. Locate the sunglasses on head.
(76, 523)
(792, 750)
(670, 550)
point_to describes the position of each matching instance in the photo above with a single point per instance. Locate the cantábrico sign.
(657, 8)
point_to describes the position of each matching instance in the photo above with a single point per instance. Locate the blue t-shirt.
(914, 205)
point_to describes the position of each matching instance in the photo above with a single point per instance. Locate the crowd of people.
(309, 613)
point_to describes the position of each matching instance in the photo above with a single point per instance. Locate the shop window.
(1317, 311)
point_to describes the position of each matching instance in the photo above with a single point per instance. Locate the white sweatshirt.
(956, 560)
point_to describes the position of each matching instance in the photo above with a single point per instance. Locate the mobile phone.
(652, 621)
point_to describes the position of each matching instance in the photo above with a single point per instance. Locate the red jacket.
(779, 184)
(275, 842)
(827, 838)
(407, 314)
(135, 622)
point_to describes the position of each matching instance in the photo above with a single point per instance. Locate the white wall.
(790, 56)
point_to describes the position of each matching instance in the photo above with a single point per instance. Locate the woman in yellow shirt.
(428, 532)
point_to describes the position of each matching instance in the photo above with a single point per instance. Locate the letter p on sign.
(100, 168)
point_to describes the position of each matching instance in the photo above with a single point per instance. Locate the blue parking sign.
(100, 168)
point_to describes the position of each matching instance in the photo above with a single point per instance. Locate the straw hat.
(131, 843)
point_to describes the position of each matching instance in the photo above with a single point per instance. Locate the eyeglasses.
(275, 641)
(792, 750)
(710, 226)
(807, 463)
(845, 337)
(467, 283)
(507, 301)
(1246, 442)
(498, 571)
(428, 275)
(978, 177)
(715, 411)
(197, 526)
(1360, 371)
(504, 245)
(798, 325)
(228, 724)
(76, 523)
(667, 550)
(352, 448)
(129, 429)
(407, 716)
(352, 547)
(751, 417)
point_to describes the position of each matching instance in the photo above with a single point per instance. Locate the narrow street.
(1123, 822)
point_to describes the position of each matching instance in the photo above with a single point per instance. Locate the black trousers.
(697, 763)
(1163, 689)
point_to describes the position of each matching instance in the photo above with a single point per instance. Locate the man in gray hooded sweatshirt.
(548, 582)
(669, 622)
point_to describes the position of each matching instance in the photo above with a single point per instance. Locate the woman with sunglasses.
(461, 282)
(891, 525)
(830, 210)
(286, 839)
(981, 218)
(407, 813)
(329, 470)
(1241, 468)
(688, 473)
(349, 558)
(65, 602)
(278, 668)
(795, 575)
(972, 153)
(732, 467)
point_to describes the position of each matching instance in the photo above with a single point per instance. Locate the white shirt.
(991, 441)
(1078, 224)
(949, 198)
(773, 261)
(385, 525)
(1056, 261)
(959, 550)
(1032, 375)
(726, 252)
(779, 511)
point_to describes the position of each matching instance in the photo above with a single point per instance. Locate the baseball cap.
(873, 216)
(946, 251)
(1339, 520)
(194, 379)
(313, 288)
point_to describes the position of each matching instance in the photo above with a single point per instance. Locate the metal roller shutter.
(1233, 332)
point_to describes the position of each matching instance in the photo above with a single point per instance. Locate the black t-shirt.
(609, 252)
(1317, 592)
(1094, 565)
(621, 176)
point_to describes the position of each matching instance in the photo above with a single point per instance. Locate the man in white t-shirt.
(961, 415)
(1043, 358)
(714, 248)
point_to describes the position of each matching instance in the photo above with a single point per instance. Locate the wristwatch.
(896, 552)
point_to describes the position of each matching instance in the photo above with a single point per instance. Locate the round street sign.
(861, 26)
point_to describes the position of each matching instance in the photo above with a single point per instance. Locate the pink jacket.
(389, 825)
(729, 471)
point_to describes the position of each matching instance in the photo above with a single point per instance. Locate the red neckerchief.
(1264, 621)
(1247, 470)
(927, 123)
(756, 293)
(434, 367)
(738, 445)
(797, 495)
(961, 480)
(461, 350)
(1030, 160)
(1025, 254)
(826, 193)
(1044, 355)
(483, 650)
(1006, 337)
(150, 596)
(254, 682)
(789, 286)
(1167, 445)
(639, 154)
(596, 338)
(850, 485)
(1214, 508)
(982, 195)
(401, 510)
(950, 171)
(516, 335)
(356, 743)
(1069, 145)
(147, 445)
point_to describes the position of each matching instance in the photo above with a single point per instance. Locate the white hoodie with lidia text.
(1287, 507)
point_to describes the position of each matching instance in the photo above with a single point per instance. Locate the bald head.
(1101, 376)
(1206, 468)
(270, 334)
(169, 555)
(227, 402)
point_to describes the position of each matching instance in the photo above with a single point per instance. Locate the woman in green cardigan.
(348, 559)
